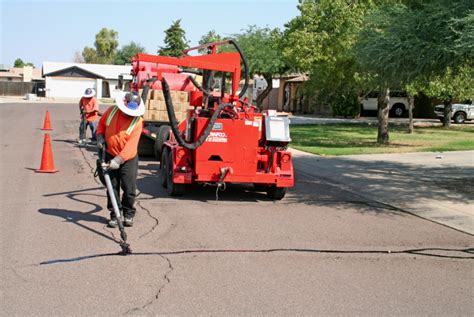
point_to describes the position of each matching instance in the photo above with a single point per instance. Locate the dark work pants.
(83, 129)
(125, 178)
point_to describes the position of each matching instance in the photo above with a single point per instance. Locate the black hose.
(222, 85)
(270, 161)
(174, 122)
(199, 87)
(147, 87)
(246, 67)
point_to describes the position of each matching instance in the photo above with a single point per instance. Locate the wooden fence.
(11, 88)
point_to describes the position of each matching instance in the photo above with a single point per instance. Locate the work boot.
(113, 223)
(128, 222)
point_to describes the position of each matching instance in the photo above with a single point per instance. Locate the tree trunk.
(383, 110)
(448, 111)
(267, 90)
(411, 102)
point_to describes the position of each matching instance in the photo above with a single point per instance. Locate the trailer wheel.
(260, 187)
(172, 188)
(276, 193)
(161, 137)
(164, 167)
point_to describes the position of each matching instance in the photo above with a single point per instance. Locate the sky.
(53, 30)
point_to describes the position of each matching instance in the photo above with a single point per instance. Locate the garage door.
(67, 87)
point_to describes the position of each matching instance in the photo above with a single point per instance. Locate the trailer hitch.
(221, 186)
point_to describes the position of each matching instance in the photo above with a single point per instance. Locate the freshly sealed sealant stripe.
(420, 252)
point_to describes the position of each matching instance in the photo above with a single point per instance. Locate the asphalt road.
(320, 251)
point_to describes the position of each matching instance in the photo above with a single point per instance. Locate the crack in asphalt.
(104, 228)
(111, 233)
(19, 276)
(88, 163)
(157, 222)
(160, 289)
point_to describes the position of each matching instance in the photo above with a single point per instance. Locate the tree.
(375, 37)
(20, 63)
(210, 37)
(89, 55)
(78, 58)
(125, 54)
(106, 44)
(319, 41)
(261, 48)
(422, 47)
(175, 41)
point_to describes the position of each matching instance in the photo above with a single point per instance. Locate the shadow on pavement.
(402, 182)
(74, 216)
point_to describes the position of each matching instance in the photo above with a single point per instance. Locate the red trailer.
(224, 139)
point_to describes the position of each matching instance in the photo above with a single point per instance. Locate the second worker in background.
(119, 132)
(89, 109)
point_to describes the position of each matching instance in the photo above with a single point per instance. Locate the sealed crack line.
(160, 289)
(428, 252)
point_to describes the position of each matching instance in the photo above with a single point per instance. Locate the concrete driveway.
(436, 186)
(323, 250)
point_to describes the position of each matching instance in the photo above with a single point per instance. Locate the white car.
(398, 103)
(461, 112)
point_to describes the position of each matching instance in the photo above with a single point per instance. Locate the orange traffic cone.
(47, 161)
(47, 122)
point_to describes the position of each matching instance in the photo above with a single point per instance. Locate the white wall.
(68, 87)
(113, 91)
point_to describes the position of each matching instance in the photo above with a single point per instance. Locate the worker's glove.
(115, 163)
(100, 141)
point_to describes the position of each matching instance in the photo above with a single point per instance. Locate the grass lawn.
(348, 139)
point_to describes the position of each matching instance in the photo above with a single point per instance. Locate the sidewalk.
(417, 122)
(435, 186)
(39, 100)
(44, 100)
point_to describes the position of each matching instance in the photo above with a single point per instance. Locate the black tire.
(398, 110)
(260, 187)
(459, 117)
(164, 168)
(276, 193)
(441, 119)
(172, 188)
(162, 136)
(145, 147)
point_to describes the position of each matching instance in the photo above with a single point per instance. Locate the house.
(70, 80)
(286, 95)
(24, 74)
(19, 81)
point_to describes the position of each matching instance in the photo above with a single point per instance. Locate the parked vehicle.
(398, 103)
(461, 112)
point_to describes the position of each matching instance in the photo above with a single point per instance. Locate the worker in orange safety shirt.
(118, 132)
(89, 115)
